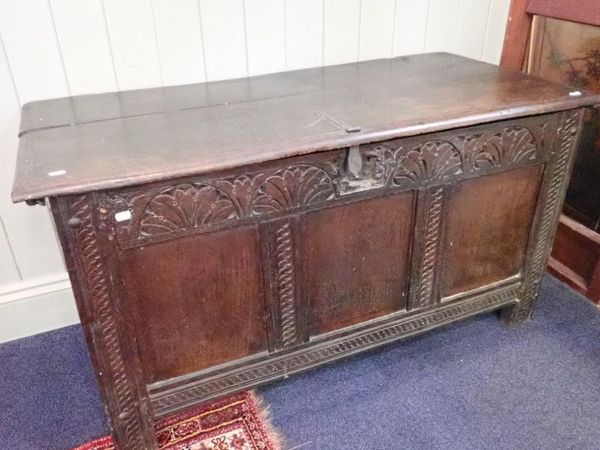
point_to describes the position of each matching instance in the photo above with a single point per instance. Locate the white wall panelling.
(83, 40)
(304, 33)
(410, 26)
(179, 38)
(133, 40)
(27, 31)
(53, 48)
(28, 230)
(442, 25)
(224, 33)
(376, 29)
(9, 272)
(496, 26)
(265, 36)
(472, 24)
(341, 31)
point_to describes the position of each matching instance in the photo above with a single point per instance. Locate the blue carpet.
(471, 385)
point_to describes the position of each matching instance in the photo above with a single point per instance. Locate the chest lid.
(93, 142)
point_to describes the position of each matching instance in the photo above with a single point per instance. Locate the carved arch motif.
(292, 187)
(186, 206)
(194, 205)
(433, 160)
(512, 145)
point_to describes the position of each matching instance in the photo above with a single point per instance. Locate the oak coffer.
(226, 234)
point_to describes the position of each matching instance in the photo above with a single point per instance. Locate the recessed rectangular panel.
(356, 261)
(196, 301)
(488, 225)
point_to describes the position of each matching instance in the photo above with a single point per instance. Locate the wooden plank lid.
(95, 142)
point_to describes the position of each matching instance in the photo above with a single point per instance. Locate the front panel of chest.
(232, 268)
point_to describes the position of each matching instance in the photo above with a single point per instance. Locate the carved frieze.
(201, 204)
(196, 205)
(421, 162)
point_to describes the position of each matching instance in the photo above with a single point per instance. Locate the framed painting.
(569, 53)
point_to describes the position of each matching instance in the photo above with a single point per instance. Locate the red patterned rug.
(237, 422)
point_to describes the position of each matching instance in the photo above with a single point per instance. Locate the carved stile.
(555, 180)
(425, 255)
(285, 284)
(133, 429)
(281, 275)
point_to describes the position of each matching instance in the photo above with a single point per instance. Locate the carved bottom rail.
(166, 401)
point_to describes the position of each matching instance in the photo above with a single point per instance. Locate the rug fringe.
(265, 415)
(260, 409)
(103, 443)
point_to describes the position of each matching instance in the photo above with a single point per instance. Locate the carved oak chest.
(222, 235)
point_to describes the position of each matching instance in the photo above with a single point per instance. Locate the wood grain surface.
(95, 142)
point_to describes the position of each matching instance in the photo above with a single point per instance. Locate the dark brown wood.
(549, 204)
(286, 307)
(426, 247)
(486, 240)
(172, 396)
(90, 258)
(263, 118)
(266, 262)
(345, 282)
(176, 290)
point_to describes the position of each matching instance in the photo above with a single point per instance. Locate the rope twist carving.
(96, 281)
(285, 283)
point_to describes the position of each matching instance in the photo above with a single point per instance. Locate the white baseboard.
(36, 306)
